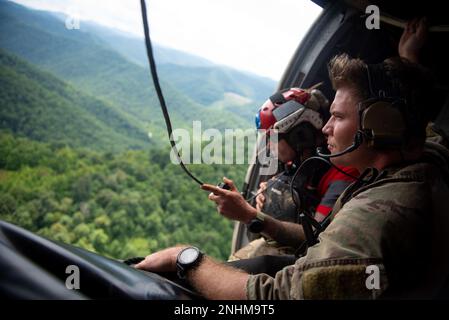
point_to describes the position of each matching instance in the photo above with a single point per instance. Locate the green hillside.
(197, 78)
(207, 85)
(93, 67)
(37, 105)
(119, 205)
(76, 162)
(133, 48)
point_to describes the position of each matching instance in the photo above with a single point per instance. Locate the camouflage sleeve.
(323, 274)
(264, 287)
(337, 266)
(326, 279)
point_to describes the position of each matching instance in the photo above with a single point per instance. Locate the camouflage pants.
(260, 247)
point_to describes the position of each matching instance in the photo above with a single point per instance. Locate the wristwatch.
(256, 225)
(187, 259)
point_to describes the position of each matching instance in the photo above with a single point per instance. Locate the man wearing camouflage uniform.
(389, 225)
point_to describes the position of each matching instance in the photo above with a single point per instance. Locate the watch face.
(255, 226)
(189, 255)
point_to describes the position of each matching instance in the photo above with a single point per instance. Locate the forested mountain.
(87, 62)
(195, 77)
(119, 205)
(76, 162)
(133, 48)
(37, 105)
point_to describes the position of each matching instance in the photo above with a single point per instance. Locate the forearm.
(285, 233)
(217, 281)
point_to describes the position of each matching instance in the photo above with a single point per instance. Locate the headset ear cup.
(382, 123)
(358, 139)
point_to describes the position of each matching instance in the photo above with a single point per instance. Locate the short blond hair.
(347, 72)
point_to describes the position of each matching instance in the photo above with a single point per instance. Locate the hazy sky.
(259, 36)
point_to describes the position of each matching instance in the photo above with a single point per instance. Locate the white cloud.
(254, 35)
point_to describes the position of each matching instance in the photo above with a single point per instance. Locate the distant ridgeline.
(109, 66)
(77, 162)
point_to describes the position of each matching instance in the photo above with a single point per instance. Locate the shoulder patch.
(338, 282)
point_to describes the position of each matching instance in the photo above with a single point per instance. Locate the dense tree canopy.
(119, 205)
(84, 155)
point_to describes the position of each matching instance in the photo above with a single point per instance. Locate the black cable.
(270, 183)
(319, 226)
(321, 159)
(159, 90)
(292, 182)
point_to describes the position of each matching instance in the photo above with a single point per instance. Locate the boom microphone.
(358, 139)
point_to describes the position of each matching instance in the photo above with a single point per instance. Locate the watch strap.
(257, 223)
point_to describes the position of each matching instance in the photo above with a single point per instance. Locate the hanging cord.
(306, 217)
(271, 182)
(159, 90)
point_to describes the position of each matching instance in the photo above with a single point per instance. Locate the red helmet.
(285, 110)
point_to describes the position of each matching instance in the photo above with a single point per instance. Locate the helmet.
(286, 110)
(297, 115)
